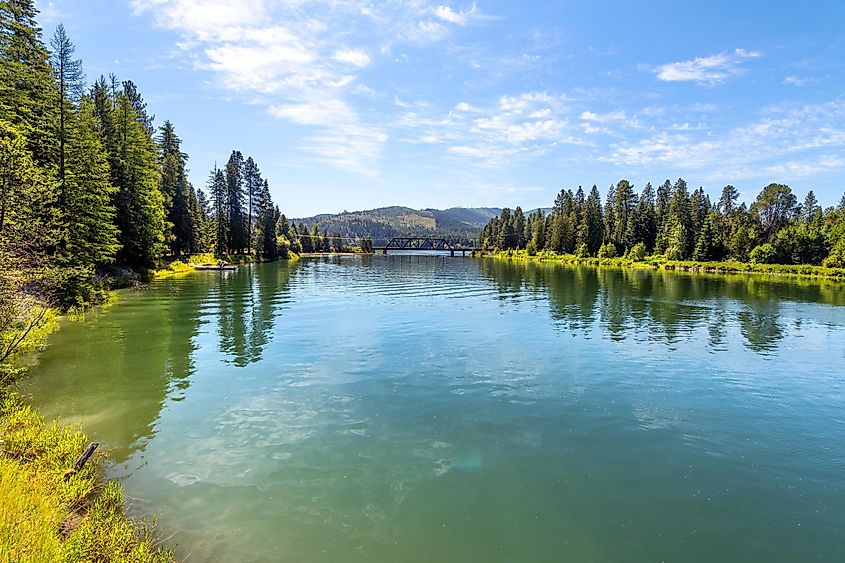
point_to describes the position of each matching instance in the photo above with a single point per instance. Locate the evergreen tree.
(519, 228)
(727, 202)
(180, 224)
(70, 80)
(810, 210)
(591, 230)
(27, 88)
(138, 201)
(679, 223)
(661, 214)
(219, 199)
(253, 185)
(707, 247)
(88, 218)
(644, 220)
(506, 234)
(774, 207)
(624, 201)
(235, 203)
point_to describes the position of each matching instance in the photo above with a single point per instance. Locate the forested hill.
(457, 223)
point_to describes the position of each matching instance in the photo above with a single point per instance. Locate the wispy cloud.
(447, 14)
(711, 70)
(526, 125)
(786, 141)
(303, 59)
(797, 81)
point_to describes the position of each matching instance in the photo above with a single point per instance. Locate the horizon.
(481, 104)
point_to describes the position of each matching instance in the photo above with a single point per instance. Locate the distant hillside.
(461, 224)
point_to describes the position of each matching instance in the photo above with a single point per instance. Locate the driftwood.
(83, 457)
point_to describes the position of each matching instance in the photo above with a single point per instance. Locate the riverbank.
(660, 263)
(50, 511)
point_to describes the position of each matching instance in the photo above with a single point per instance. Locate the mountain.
(460, 224)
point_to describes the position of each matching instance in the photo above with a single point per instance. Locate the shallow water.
(428, 408)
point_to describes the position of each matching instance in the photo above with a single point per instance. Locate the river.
(429, 408)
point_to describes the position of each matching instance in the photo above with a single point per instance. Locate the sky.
(356, 104)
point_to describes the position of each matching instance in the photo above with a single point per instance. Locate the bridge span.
(405, 244)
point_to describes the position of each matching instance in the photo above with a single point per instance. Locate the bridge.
(405, 244)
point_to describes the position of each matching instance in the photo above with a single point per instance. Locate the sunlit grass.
(659, 262)
(48, 512)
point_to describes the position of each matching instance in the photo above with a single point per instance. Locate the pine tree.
(88, 217)
(139, 202)
(644, 223)
(253, 185)
(810, 210)
(623, 203)
(727, 202)
(235, 203)
(661, 214)
(519, 228)
(591, 230)
(219, 200)
(70, 80)
(678, 223)
(27, 88)
(706, 248)
(180, 230)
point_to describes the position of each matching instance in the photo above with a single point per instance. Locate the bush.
(637, 252)
(763, 254)
(607, 250)
(531, 248)
(836, 259)
(582, 251)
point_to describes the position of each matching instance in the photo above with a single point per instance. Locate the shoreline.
(685, 266)
(54, 506)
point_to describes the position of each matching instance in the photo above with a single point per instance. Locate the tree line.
(670, 221)
(90, 187)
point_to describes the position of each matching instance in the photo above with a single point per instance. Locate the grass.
(48, 512)
(659, 262)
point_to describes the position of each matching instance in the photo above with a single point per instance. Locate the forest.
(678, 225)
(93, 194)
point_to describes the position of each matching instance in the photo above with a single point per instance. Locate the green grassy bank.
(658, 262)
(50, 512)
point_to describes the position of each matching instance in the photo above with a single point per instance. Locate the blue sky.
(349, 104)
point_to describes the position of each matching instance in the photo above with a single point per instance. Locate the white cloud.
(787, 142)
(449, 15)
(355, 57)
(711, 70)
(527, 125)
(796, 81)
(302, 59)
(603, 118)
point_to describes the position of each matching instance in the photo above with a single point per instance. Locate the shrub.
(582, 251)
(607, 250)
(763, 254)
(637, 252)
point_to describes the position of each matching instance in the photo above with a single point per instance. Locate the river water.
(429, 408)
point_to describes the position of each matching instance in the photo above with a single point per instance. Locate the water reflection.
(658, 304)
(248, 301)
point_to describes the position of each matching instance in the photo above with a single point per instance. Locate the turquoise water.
(428, 408)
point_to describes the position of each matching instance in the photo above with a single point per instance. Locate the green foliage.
(763, 254)
(367, 245)
(48, 511)
(677, 225)
(607, 250)
(637, 252)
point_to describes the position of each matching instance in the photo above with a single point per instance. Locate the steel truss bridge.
(405, 244)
